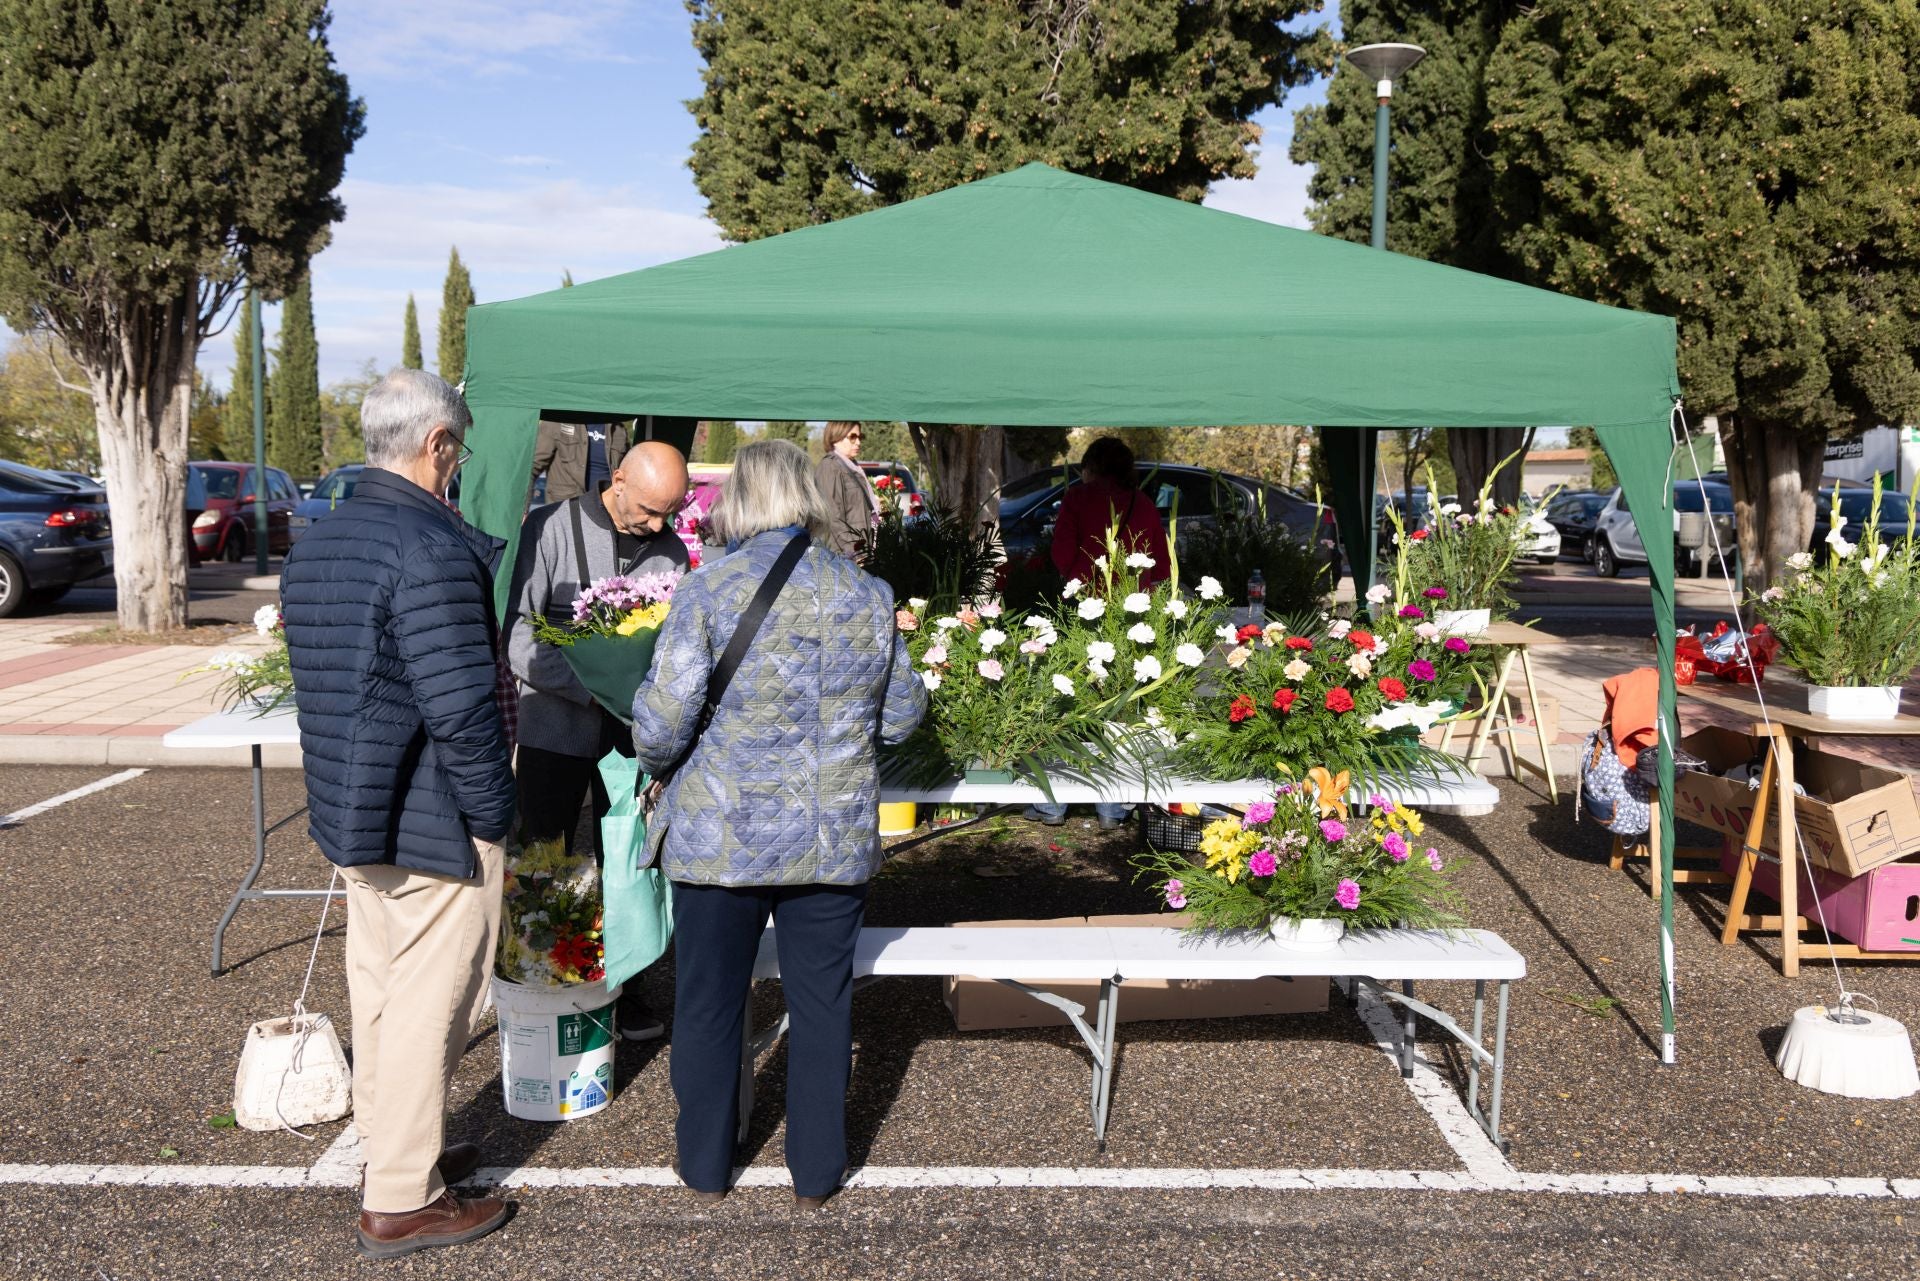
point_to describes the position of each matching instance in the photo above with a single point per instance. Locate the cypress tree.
(236, 440)
(294, 438)
(455, 297)
(410, 338)
(723, 438)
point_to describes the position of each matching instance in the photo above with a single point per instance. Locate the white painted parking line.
(1437, 1096)
(98, 785)
(1147, 1179)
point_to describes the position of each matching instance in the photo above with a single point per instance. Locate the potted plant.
(1851, 623)
(1462, 562)
(1307, 868)
(260, 681)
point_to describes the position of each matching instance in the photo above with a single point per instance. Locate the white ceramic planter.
(1854, 702)
(1314, 934)
(1462, 622)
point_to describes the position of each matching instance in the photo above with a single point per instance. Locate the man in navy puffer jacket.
(388, 603)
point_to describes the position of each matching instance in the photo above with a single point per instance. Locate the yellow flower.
(645, 618)
(628, 625)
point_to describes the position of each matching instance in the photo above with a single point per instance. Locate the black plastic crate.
(1170, 832)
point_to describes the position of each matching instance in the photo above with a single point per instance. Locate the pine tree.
(455, 297)
(798, 433)
(293, 437)
(566, 278)
(410, 338)
(723, 438)
(237, 438)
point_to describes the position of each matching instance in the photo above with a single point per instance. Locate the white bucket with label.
(556, 1049)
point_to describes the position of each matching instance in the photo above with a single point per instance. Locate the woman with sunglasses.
(853, 506)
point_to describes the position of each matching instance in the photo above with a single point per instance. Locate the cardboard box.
(979, 1004)
(1879, 910)
(1854, 817)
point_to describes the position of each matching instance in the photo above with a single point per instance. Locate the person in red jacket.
(1108, 496)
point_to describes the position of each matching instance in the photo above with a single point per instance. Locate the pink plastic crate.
(1877, 909)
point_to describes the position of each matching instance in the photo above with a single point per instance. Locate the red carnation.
(1419, 535)
(1241, 709)
(1393, 689)
(1338, 700)
(1299, 642)
(1360, 640)
(1283, 699)
(1247, 633)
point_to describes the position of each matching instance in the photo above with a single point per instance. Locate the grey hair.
(771, 486)
(402, 409)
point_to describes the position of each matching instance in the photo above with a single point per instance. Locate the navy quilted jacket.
(783, 787)
(389, 610)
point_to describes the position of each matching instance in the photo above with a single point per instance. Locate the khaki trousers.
(419, 952)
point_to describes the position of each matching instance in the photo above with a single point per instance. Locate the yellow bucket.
(897, 818)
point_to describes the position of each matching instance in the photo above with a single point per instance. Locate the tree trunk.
(1775, 470)
(965, 466)
(142, 379)
(1476, 452)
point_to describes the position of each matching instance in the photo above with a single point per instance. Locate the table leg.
(1749, 854)
(1408, 1031)
(1103, 1082)
(1484, 730)
(259, 857)
(1789, 857)
(1473, 1060)
(1499, 1066)
(1539, 728)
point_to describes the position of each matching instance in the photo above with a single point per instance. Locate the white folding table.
(1441, 793)
(245, 729)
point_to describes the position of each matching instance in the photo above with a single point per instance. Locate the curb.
(107, 749)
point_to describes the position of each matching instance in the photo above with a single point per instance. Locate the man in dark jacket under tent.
(388, 606)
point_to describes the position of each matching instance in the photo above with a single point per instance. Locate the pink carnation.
(991, 669)
(1262, 863)
(1347, 895)
(1420, 669)
(1333, 829)
(1433, 859)
(1259, 812)
(905, 621)
(1457, 645)
(1396, 847)
(1176, 895)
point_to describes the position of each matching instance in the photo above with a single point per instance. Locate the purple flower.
(1457, 645)
(1176, 898)
(1420, 669)
(1262, 863)
(1379, 802)
(1435, 593)
(1333, 829)
(1396, 847)
(1347, 895)
(1412, 611)
(1433, 859)
(1259, 812)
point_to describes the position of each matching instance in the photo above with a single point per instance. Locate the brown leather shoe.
(458, 1162)
(447, 1221)
(703, 1197)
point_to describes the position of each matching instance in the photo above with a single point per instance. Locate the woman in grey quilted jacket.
(773, 814)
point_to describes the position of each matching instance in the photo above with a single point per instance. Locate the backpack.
(1615, 796)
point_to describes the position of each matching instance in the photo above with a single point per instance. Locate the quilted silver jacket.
(783, 786)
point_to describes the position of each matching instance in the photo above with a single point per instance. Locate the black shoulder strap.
(579, 541)
(743, 633)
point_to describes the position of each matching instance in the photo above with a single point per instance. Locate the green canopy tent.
(1039, 297)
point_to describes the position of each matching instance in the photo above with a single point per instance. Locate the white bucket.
(556, 1049)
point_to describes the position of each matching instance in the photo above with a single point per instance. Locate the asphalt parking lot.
(1286, 1145)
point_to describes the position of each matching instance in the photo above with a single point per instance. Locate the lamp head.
(1386, 63)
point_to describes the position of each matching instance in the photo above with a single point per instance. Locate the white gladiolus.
(1092, 607)
(231, 661)
(916, 603)
(1142, 634)
(1100, 563)
(1210, 588)
(1176, 608)
(1191, 655)
(931, 679)
(1841, 547)
(1063, 685)
(990, 639)
(1101, 651)
(1146, 669)
(1072, 588)
(1153, 717)
(1137, 603)
(1419, 715)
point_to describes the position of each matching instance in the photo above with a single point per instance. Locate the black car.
(1028, 505)
(53, 534)
(1855, 506)
(1573, 513)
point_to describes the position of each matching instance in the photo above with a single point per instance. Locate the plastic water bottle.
(1257, 595)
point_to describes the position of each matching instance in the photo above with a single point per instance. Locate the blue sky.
(539, 138)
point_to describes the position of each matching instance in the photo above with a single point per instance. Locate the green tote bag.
(637, 902)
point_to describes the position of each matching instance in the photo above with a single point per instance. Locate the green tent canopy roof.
(1040, 297)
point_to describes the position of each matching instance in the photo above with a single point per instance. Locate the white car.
(1543, 540)
(1616, 539)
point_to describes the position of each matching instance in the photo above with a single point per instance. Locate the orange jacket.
(1633, 708)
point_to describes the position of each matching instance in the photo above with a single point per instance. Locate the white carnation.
(1072, 588)
(1139, 560)
(990, 639)
(265, 619)
(1176, 608)
(1101, 651)
(1146, 669)
(1137, 603)
(946, 624)
(1338, 628)
(1063, 685)
(1800, 560)
(1360, 665)
(916, 603)
(1210, 588)
(989, 610)
(1142, 634)
(931, 679)
(1227, 633)
(1191, 655)
(1378, 593)
(1092, 607)
(1097, 670)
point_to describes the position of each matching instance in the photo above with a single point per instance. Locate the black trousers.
(716, 931)
(552, 789)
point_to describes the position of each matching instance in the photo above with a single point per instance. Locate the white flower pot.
(1462, 622)
(1316, 933)
(1854, 702)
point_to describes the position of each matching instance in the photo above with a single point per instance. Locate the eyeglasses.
(465, 452)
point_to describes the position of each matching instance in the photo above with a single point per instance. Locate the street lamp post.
(257, 341)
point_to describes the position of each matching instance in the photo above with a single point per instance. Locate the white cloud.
(1278, 193)
(408, 38)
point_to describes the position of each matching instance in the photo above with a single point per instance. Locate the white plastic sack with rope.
(292, 1073)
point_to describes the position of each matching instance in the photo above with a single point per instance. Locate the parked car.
(226, 528)
(1855, 506)
(909, 488)
(1574, 513)
(1616, 539)
(53, 534)
(1028, 505)
(335, 487)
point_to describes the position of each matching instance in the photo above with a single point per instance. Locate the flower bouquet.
(1852, 622)
(1464, 560)
(261, 680)
(609, 643)
(550, 927)
(1304, 856)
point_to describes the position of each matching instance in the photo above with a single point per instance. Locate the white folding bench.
(1112, 957)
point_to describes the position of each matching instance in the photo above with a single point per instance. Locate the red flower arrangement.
(1361, 640)
(1241, 709)
(1395, 691)
(1299, 642)
(579, 952)
(1249, 632)
(1339, 700)
(1284, 698)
